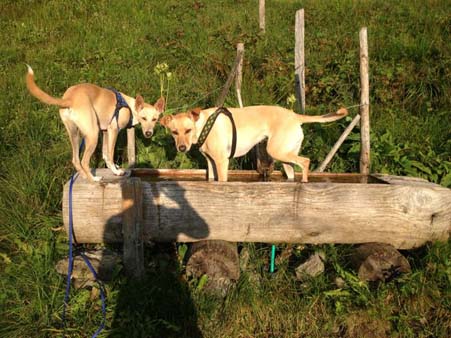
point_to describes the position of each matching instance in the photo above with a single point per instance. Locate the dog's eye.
(175, 132)
(144, 118)
(153, 120)
(188, 131)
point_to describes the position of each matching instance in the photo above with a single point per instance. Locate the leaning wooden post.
(132, 231)
(299, 59)
(225, 89)
(337, 144)
(239, 73)
(364, 104)
(261, 15)
(131, 148)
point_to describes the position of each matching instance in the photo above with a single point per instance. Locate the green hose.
(273, 258)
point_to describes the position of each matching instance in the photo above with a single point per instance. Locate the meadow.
(119, 44)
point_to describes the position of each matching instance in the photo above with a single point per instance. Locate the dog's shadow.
(159, 304)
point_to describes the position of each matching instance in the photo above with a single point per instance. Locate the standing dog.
(86, 109)
(251, 125)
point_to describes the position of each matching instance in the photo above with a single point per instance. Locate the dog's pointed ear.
(164, 121)
(194, 113)
(139, 103)
(160, 104)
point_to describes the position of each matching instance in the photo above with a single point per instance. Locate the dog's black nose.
(148, 133)
(182, 148)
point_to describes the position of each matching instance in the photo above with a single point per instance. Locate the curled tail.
(41, 95)
(342, 112)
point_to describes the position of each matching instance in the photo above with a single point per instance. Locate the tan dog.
(86, 109)
(281, 126)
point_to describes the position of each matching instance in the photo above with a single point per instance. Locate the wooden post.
(299, 59)
(364, 104)
(239, 73)
(131, 148)
(261, 15)
(225, 90)
(132, 227)
(338, 144)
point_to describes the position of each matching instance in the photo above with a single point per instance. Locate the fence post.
(364, 104)
(337, 144)
(261, 15)
(225, 89)
(239, 73)
(299, 59)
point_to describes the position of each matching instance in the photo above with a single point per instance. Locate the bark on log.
(379, 262)
(218, 260)
(405, 213)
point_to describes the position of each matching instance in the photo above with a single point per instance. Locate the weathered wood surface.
(132, 231)
(403, 215)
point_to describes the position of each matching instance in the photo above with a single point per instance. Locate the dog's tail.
(41, 95)
(342, 112)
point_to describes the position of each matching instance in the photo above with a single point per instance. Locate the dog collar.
(121, 103)
(209, 125)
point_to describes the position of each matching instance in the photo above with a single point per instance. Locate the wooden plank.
(337, 144)
(364, 104)
(299, 59)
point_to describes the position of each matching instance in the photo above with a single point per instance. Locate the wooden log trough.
(165, 205)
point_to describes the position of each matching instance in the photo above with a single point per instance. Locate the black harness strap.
(209, 125)
(121, 103)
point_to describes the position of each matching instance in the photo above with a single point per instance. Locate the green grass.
(118, 43)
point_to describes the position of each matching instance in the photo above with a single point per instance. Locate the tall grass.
(118, 43)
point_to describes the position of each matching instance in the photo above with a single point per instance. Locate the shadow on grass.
(159, 304)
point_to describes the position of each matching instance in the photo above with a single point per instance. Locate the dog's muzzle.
(182, 148)
(148, 134)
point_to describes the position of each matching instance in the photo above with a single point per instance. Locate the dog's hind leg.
(285, 147)
(90, 146)
(303, 162)
(289, 171)
(74, 137)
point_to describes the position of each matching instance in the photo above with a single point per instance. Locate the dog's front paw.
(119, 172)
(97, 178)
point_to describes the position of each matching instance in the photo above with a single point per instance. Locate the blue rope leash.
(88, 263)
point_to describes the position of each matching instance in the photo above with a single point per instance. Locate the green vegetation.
(119, 43)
